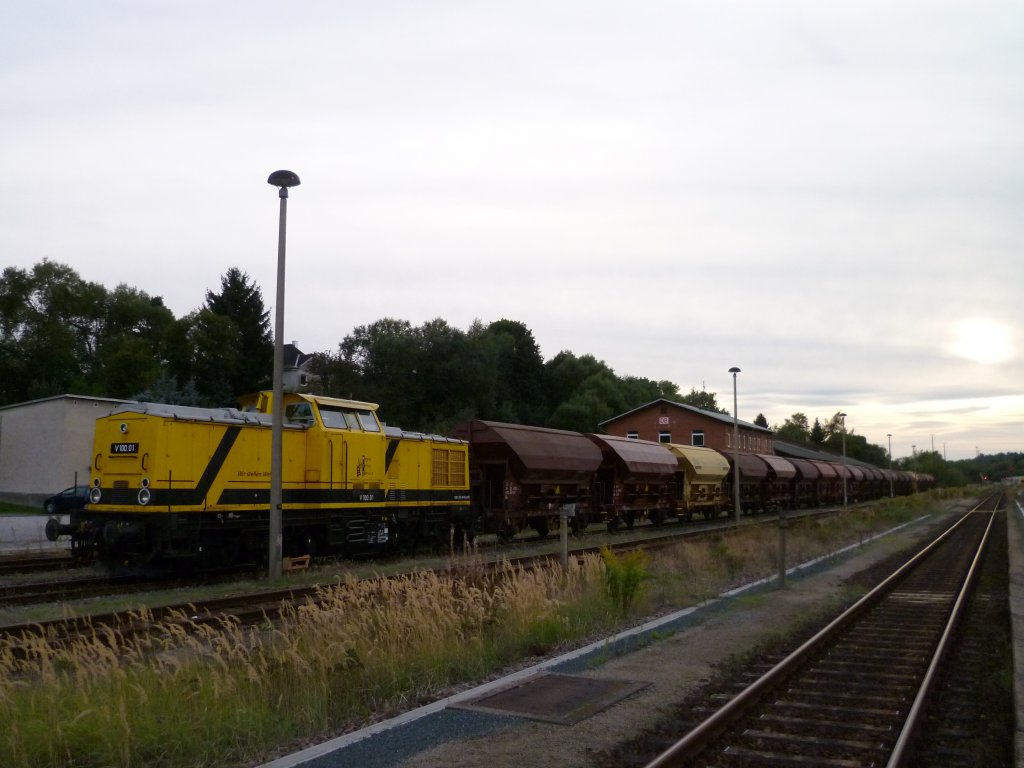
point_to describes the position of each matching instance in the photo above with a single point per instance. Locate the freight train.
(529, 477)
(176, 486)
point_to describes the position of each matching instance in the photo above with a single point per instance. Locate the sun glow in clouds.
(982, 340)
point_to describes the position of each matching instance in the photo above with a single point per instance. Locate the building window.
(633, 434)
(664, 437)
(697, 438)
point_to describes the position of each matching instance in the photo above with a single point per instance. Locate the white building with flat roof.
(46, 445)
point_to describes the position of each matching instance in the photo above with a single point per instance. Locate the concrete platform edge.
(1015, 536)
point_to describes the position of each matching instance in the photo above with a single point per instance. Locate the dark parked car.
(75, 497)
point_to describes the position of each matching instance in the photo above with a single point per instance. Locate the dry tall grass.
(196, 694)
(212, 695)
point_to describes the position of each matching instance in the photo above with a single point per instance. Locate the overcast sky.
(829, 196)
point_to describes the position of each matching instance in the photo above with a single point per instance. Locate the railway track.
(67, 589)
(249, 608)
(857, 692)
(266, 605)
(10, 564)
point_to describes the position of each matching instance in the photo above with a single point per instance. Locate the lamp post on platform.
(891, 493)
(282, 180)
(842, 418)
(735, 449)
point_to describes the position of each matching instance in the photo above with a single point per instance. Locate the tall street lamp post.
(891, 493)
(282, 180)
(735, 449)
(842, 418)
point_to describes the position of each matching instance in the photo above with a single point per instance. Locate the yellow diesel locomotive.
(177, 485)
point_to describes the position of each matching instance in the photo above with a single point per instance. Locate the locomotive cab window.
(333, 417)
(299, 413)
(367, 421)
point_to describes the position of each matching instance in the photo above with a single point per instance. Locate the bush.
(624, 577)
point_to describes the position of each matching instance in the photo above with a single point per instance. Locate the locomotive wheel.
(302, 544)
(461, 538)
(541, 527)
(404, 539)
(83, 545)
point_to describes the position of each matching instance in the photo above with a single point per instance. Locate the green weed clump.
(624, 577)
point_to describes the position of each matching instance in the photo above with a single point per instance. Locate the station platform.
(25, 534)
(1015, 531)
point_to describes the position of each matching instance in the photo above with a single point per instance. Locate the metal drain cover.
(559, 699)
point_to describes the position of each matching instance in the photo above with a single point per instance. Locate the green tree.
(932, 463)
(704, 400)
(49, 326)
(215, 364)
(165, 389)
(335, 376)
(565, 373)
(448, 378)
(635, 391)
(131, 343)
(385, 354)
(594, 401)
(252, 360)
(518, 394)
(794, 430)
(431, 376)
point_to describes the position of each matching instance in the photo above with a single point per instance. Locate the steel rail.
(29, 563)
(901, 751)
(720, 720)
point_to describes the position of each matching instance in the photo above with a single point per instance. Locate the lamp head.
(734, 370)
(284, 179)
